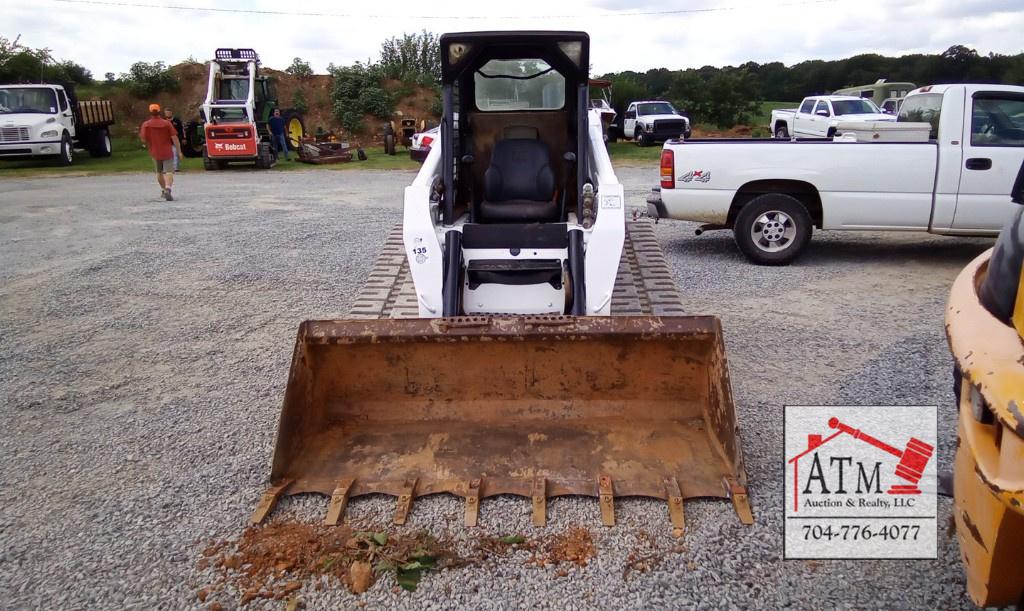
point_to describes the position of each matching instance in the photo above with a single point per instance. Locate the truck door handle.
(978, 163)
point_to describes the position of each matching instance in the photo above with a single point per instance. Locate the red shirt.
(157, 133)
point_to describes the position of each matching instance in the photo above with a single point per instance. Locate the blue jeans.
(280, 144)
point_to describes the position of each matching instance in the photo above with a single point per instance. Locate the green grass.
(130, 156)
(628, 153)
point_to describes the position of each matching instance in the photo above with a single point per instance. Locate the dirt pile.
(277, 560)
(417, 102)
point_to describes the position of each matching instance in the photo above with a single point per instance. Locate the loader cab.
(520, 153)
(514, 203)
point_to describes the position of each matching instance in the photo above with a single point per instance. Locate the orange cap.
(154, 108)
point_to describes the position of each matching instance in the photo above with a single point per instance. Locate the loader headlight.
(52, 133)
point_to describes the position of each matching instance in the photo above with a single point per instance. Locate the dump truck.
(517, 335)
(234, 116)
(985, 328)
(48, 121)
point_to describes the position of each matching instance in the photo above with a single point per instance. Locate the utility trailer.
(48, 121)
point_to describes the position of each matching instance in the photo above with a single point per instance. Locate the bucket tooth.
(405, 501)
(339, 499)
(540, 500)
(675, 506)
(740, 501)
(268, 501)
(472, 502)
(607, 494)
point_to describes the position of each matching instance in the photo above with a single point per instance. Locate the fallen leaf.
(292, 604)
(360, 577)
(291, 586)
(202, 594)
(380, 538)
(408, 579)
(513, 539)
(215, 607)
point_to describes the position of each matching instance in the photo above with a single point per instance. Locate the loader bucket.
(531, 406)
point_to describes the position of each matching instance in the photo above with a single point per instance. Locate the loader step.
(643, 284)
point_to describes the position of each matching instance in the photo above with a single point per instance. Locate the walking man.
(179, 129)
(159, 136)
(277, 135)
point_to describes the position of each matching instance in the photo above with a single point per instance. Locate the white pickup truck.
(819, 116)
(649, 121)
(772, 193)
(48, 121)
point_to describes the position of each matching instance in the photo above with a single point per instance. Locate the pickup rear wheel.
(772, 229)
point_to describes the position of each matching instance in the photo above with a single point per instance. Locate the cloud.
(110, 39)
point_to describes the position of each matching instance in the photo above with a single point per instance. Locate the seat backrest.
(520, 169)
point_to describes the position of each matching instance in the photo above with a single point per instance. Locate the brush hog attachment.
(533, 406)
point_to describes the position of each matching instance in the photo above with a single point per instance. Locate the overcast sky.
(109, 35)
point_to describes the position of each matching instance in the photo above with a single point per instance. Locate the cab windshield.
(518, 84)
(655, 108)
(28, 99)
(855, 107)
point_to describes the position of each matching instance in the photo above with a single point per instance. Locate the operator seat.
(519, 185)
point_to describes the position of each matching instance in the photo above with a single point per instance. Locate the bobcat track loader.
(517, 335)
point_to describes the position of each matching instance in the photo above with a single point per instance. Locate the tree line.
(723, 97)
(728, 96)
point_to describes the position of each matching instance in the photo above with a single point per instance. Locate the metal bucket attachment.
(533, 406)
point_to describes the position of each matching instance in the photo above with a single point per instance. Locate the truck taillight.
(426, 141)
(668, 169)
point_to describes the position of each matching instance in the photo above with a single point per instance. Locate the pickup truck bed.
(772, 193)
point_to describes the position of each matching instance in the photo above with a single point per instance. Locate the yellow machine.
(985, 326)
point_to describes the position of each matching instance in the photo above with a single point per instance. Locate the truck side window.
(807, 106)
(997, 121)
(822, 105)
(924, 108)
(62, 99)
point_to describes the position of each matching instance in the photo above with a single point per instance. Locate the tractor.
(233, 118)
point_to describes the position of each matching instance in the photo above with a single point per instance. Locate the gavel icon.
(913, 459)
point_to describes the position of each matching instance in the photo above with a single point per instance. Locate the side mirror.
(822, 113)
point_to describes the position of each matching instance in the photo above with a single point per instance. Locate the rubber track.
(643, 285)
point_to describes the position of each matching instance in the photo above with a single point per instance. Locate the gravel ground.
(144, 348)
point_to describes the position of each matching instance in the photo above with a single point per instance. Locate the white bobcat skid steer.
(547, 354)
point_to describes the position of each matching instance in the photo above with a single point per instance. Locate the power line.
(205, 9)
